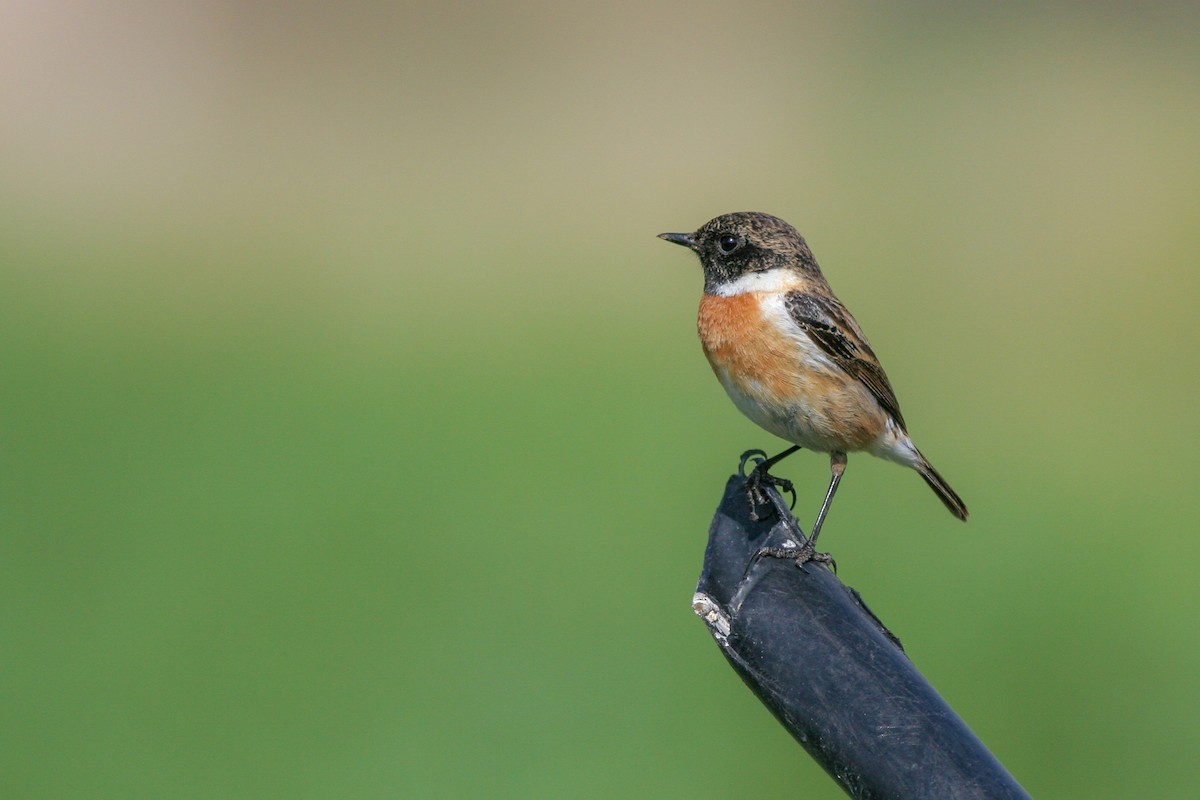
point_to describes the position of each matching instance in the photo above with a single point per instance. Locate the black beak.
(684, 239)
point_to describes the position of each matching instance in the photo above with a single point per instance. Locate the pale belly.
(845, 420)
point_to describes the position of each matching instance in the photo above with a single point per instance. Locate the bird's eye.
(728, 243)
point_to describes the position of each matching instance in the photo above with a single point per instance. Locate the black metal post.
(828, 669)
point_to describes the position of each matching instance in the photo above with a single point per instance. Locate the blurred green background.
(356, 441)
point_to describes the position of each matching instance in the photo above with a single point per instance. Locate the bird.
(792, 358)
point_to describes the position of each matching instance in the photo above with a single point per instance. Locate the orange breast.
(782, 381)
(743, 347)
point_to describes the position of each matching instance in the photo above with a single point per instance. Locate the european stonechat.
(791, 357)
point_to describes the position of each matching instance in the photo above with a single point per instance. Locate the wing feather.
(830, 325)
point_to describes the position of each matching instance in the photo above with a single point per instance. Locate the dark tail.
(936, 482)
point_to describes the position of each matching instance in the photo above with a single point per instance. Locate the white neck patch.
(773, 280)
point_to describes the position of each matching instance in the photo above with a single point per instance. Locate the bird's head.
(748, 251)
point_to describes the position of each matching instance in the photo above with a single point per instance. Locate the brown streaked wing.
(831, 326)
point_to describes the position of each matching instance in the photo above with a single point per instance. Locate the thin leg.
(808, 551)
(837, 465)
(765, 466)
(761, 475)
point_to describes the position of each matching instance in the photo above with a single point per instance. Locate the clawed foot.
(801, 555)
(759, 479)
